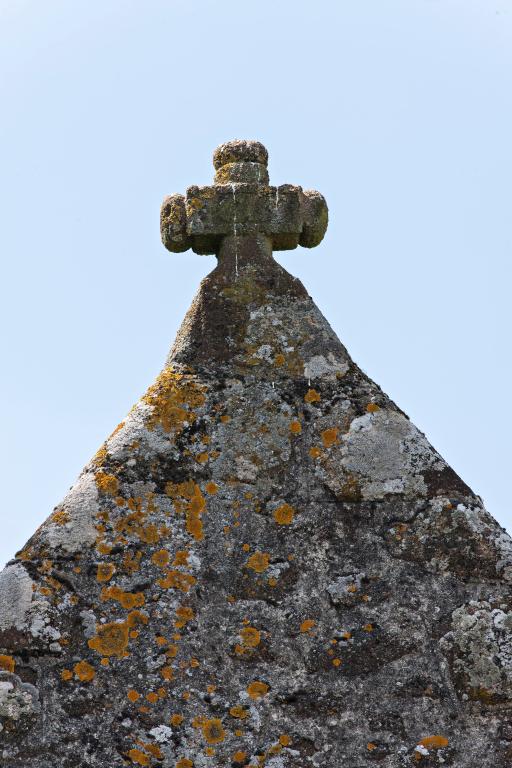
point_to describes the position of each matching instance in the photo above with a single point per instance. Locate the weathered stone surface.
(265, 564)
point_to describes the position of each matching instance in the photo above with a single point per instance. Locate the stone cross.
(240, 218)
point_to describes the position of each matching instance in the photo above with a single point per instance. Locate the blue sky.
(398, 111)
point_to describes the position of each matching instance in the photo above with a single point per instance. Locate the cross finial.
(240, 216)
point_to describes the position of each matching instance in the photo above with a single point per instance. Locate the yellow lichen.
(285, 740)
(176, 720)
(172, 398)
(160, 558)
(177, 580)
(184, 763)
(181, 557)
(137, 617)
(167, 673)
(259, 562)
(295, 427)
(7, 663)
(257, 689)
(139, 757)
(307, 625)
(84, 671)
(284, 514)
(211, 488)
(372, 407)
(239, 757)
(110, 639)
(312, 396)
(61, 517)
(239, 712)
(132, 695)
(434, 742)
(213, 731)
(184, 613)
(251, 637)
(329, 437)
(107, 483)
(128, 600)
(105, 571)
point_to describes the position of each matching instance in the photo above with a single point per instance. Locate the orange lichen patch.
(160, 558)
(184, 614)
(259, 562)
(329, 437)
(181, 557)
(284, 514)
(371, 746)
(105, 571)
(194, 511)
(315, 452)
(7, 663)
(167, 673)
(239, 757)
(60, 517)
(66, 674)
(307, 625)
(184, 763)
(176, 720)
(312, 396)
(110, 639)
(257, 689)
(128, 600)
(136, 618)
(177, 580)
(139, 757)
(132, 695)
(246, 548)
(107, 483)
(84, 671)
(131, 562)
(185, 695)
(285, 740)
(202, 458)
(336, 662)
(161, 640)
(152, 697)
(172, 398)
(172, 651)
(372, 407)
(251, 637)
(279, 359)
(295, 427)
(239, 712)
(368, 627)
(213, 731)
(434, 742)
(154, 750)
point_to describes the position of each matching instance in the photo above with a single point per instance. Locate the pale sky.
(398, 111)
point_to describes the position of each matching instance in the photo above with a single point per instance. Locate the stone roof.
(266, 563)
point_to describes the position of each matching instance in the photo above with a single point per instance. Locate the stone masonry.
(266, 563)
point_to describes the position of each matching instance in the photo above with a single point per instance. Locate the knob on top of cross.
(241, 161)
